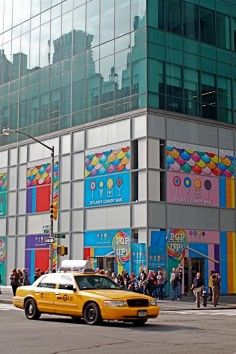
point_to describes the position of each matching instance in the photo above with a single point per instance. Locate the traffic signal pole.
(51, 219)
(8, 131)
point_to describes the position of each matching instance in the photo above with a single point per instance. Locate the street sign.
(46, 229)
(49, 240)
(59, 235)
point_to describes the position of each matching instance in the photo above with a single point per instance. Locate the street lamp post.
(8, 131)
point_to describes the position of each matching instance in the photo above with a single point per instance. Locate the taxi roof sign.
(78, 265)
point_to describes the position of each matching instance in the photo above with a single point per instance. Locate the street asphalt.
(186, 303)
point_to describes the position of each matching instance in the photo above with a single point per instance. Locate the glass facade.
(64, 63)
(192, 58)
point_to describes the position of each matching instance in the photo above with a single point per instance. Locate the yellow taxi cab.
(78, 292)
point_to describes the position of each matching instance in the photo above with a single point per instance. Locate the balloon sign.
(176, 243)
(121, 246)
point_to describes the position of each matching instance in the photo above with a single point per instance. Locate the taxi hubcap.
(91, 314)
(31, 309)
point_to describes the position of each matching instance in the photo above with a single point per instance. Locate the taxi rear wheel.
(31, 310)
(139, 322)
(92, 314)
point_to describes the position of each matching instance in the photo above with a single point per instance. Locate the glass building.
(138, 98)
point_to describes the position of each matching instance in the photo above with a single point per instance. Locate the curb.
(199, 309)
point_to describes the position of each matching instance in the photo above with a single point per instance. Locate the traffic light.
(53, 211)
(62, 250)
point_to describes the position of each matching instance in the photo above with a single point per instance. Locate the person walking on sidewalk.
(197, 287)
(215, 289)
(15, 281)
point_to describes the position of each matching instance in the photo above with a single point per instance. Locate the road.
(173, 332)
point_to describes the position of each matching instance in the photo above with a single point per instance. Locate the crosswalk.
(8, 307)
(215, 312)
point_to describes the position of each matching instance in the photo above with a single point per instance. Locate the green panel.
(156, 51)
(174, 56)
(174, 41)
(208, 65)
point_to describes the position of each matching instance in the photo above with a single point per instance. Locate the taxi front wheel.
(31, 310)
(92, 314)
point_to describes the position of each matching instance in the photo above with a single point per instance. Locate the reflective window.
(174, 16)
(122, 74)
(234, 33)
(107, 20)
(138, 14)
(56, 41)
(44, 45)
(191, 89)
(79, 35)
(191, 20)
(174, 89)
(92, 24)
(122, 17)
(207, 26)
(208, 96)
(222, 31)
(35, 7)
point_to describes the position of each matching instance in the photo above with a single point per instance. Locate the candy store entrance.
(106, 263)
(191, 267)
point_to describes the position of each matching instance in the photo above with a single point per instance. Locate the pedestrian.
(173, 284)
(179, 283)
(37, 273)
(215, 289)
(197, 287)
(14, 281)
(20, 276)
(25, 277)
(159, 279)
(142, 277)
(210, 285)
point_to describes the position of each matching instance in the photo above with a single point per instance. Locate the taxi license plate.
(142, 313)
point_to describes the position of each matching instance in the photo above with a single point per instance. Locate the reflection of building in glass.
(120, 91)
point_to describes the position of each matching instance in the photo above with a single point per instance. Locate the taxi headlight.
(153, 302)
(115, 303)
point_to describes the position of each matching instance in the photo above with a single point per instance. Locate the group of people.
(150, 283)
(147, 282)
(213, 285)
(18, 277)
(21, 277)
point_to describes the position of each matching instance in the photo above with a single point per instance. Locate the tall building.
(138, 98)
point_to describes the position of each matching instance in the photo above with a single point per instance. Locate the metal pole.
(51, 219)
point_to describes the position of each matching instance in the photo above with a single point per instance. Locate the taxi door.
(66, 296)
(44, 293)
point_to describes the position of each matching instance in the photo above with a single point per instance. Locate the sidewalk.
(186, 303)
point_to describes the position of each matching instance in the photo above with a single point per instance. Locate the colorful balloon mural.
(106, 162)
(199, 162)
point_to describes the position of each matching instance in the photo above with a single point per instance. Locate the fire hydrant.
(204, 298)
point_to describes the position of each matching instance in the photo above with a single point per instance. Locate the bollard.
(204, 298)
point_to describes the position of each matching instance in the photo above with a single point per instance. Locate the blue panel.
(222, 192)
(157, 250)
(33, 199)
(107, 190)
(138, 257)
(223, 263)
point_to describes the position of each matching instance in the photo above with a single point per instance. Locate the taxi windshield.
(95, 282)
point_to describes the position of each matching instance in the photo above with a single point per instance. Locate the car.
(84, 295)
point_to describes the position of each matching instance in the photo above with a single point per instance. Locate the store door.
(106, 263)
(191, 267)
